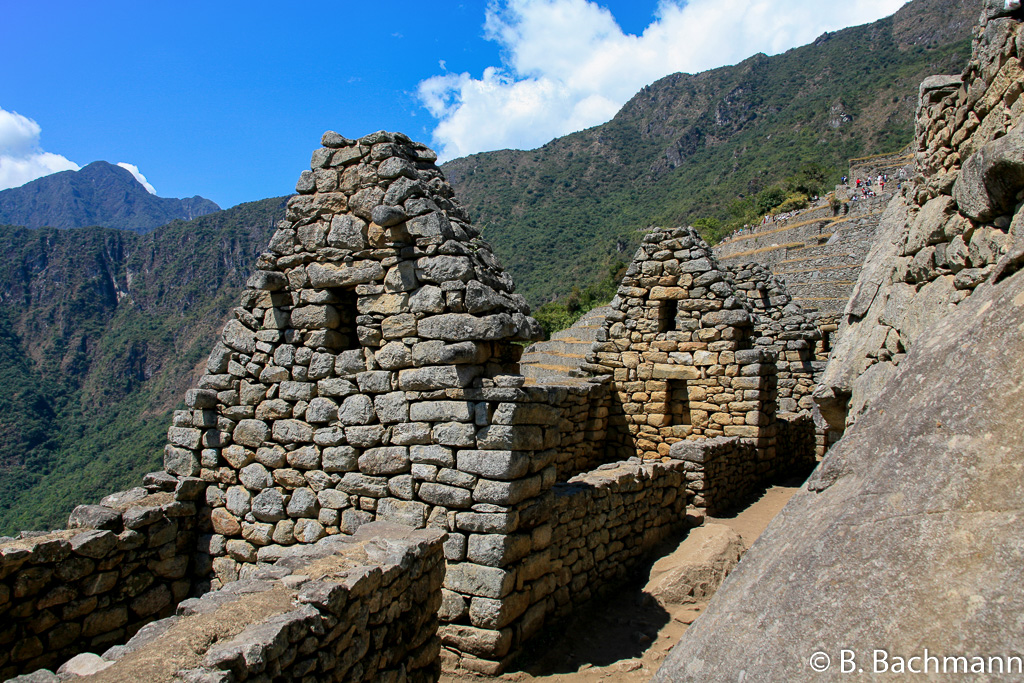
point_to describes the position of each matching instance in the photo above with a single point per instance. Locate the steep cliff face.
(959, 224)
(100, 332)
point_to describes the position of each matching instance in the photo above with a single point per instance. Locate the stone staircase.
(559, 359)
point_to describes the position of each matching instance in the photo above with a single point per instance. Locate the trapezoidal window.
(331, 319)
(678, 400)
(668, 313)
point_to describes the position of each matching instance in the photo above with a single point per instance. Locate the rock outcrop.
(902, 553)
(957, 225)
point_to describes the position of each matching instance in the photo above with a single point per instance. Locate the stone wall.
(678, 345)
(957, 226)
(586, 536)
(118, 566)
(584, 411)
(724, 472)
(337, 396)
(362, 610)
(721, 472)
(786, 330)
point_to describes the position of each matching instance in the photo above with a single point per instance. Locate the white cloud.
(568, 65)
(134, 170)
(21, 158)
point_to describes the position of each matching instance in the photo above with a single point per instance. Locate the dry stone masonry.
(119, 565)
(958, 226)
(355, 374)
(695, 353)
(362, 609)
(371, 377)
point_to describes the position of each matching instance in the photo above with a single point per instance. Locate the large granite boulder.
(909, 536)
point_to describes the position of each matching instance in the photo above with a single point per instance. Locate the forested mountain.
(101, 332)
(98, 194)
(702, 146)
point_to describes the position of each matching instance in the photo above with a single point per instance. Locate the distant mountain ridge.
(688, 145)
(98, 194)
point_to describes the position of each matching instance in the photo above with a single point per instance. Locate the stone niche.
(341, 391)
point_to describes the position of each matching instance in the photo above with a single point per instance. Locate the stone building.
(371, 375)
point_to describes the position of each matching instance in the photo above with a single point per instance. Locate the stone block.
(407, 512)
(440, 411)
(251, 433)
(292, 431)
(387, 460)
(95, 517)
(493, 614)
(445, 496)
(515, 438)
(324, 275)
(474, 579)
(458, 434)
(506, 492)
(494, 464)
(488, 522)
(498, 550)
(431, 378)
(432, 455)
(466, 327)
(667, 371)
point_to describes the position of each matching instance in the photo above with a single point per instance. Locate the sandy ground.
(627, 635)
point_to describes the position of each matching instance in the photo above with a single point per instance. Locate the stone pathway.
(627, 635)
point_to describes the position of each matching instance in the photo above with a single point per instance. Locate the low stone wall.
(584, 415)
(605, 521)
(120, 565)
(721, 473)
(584, 537)
(363, 609)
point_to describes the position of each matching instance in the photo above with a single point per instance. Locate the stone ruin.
(370, 376)
(339, 393)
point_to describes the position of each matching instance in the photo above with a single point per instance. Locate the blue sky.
(228, 99)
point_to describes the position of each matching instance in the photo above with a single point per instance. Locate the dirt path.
(626, 636)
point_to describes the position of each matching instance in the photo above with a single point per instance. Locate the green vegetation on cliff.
(690, 146)
(101, 333)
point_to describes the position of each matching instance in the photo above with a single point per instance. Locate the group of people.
(866, 186)
(864, 189)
